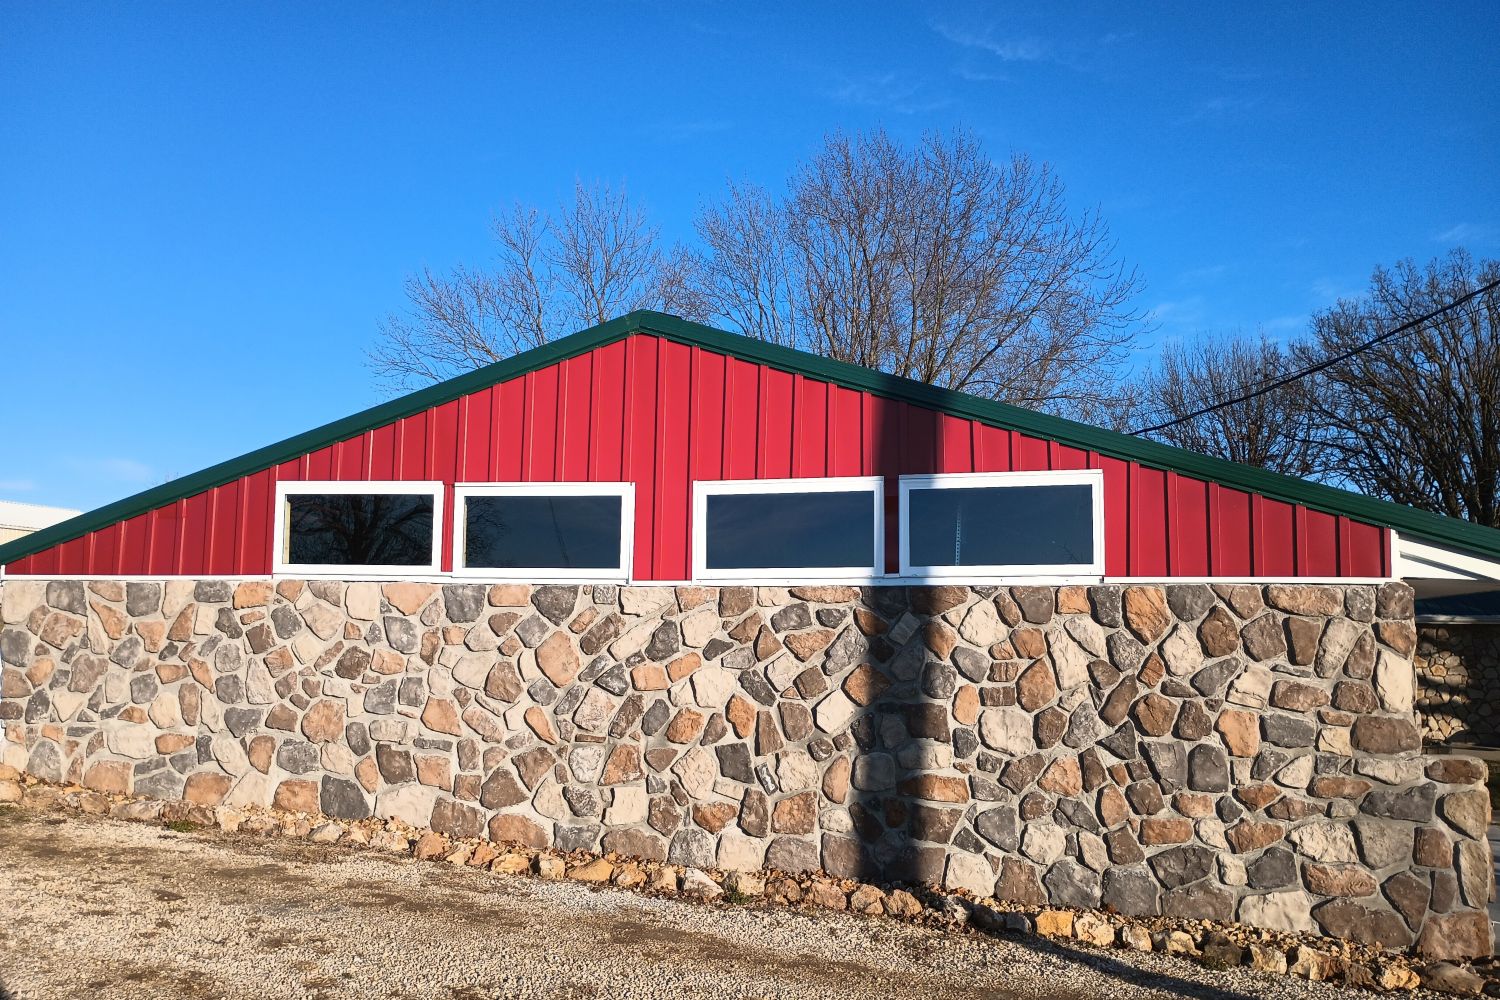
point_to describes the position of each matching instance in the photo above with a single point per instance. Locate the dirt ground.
(102, 909)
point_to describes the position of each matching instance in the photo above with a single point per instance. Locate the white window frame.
(281, 543)
(1093, 478)
(705, 488)
(617, 574)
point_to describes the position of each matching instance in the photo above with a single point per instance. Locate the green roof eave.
(1434, 528)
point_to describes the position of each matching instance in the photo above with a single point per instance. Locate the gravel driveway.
(103, 909)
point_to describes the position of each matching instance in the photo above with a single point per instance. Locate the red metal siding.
(661, 415)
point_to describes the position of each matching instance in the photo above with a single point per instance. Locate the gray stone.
(1211, 680)
(576, 838)
(1178, 866)
(974, 665)
(1000, 827)
(665, 642)
(1070, 884)
(381, 699)
(228, 624)
(128, 651)
(692, 847)
(1287, 730)
(1125, 652)
(1208, 769)
(792, 854)
(1275, 868)
(1191, 601)
(401, 634)
(734, 762)
(790, 618)
(413, 692)
(463, 601)
(1168, 762)
(555, 602)
(297, 757)
(243, 721)
(1414, 804)
(45, 761)
(67, 595)
(15, 647)
(939, 680)
(1130, 891)
(342, 798)
(142, 599)
(614, 680)
(286, 621)
(655, 717)
(1203, 901)
(165, 784)
(532, 631)
(1122, 742)
(212, 591)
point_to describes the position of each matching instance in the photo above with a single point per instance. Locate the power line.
(1313, 369)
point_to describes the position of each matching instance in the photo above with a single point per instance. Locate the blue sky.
(205, 209)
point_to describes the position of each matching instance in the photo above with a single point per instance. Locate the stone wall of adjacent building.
(1458, 682)
(1228, 752)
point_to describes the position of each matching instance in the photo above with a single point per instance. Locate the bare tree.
(554, 273)
(1278, 430)
(934, 263)
(1416, 418)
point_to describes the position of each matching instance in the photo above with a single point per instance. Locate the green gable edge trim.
(1420, 524)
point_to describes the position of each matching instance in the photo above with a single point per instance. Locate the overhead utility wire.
(1325, 363)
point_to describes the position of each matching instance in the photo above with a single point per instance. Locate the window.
(544, 531)
(1006, 523)
(817, 529)
(379, 527)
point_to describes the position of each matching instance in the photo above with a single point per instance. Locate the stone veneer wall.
(1235, 752)
(1458, 682)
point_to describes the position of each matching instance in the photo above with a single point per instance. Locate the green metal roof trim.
(1421, 524)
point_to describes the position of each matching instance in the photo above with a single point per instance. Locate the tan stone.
(966, 705)
(795, 814)
(1062, 777)
(1154, 714)
(557, 659)
(1248, 835)
(537, 721)
(112, 777)
(170, 743)
(1146, 613)
(1036, 687)
(441, 716)
(111, 620)
(296, 795)
(206, 788)
(323, 722)
(1055, 923)
(1241, 732)
(649, 677)
(252, 594)
(597, 870)
(1338, 880)
(1165, 830)
(865, 684)
(935, 788)
(685, 726)
(741, 715)
(509, 595)
(1300, 599)
(683, 666)
(622, 765)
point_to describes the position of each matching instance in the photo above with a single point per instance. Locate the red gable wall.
(662, 414)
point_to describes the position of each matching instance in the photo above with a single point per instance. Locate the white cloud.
(1018, 49)
(887, 91)
(1467, 232)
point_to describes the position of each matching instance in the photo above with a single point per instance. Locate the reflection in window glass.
(790, 530)
(542, 532)
(1001, 526)
(359, 529)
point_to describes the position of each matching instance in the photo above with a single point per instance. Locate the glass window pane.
(540, 532)
(359, 529)
(1001, 526)
(791, 530)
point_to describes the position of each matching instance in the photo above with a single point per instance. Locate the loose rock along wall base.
(1234, 752)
